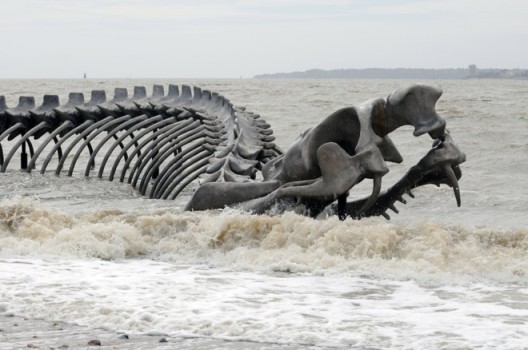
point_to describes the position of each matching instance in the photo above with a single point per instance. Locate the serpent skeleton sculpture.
(198, 139)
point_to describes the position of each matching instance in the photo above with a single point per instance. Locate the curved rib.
(43, 145)
(184, 171)
(166, 155)
(155, 148)
(90, 151)
(153, 153)
(120, 145)
(5, 134)
(172, 148)
(10, 130)
(90, 137)
(166, 130)
(30, 146)
(173, 132)
(22, 140)
(81, 136)
(137, 150)
(59, 151)
(161, 183)
(73, 131)
(189, 176)
(107, 137)
(134, 141)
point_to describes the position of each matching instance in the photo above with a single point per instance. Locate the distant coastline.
(472, 72)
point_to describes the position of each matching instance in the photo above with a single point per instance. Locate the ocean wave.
(422, 249)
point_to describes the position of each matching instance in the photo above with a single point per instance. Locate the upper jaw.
(435, 128)
(415, 105)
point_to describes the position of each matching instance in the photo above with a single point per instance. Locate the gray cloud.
(232, 38)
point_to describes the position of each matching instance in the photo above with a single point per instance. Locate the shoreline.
(18, 332)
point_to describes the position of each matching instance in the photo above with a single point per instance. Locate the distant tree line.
(501, 74)
(401, 73)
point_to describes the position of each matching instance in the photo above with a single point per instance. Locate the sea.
(94, 253)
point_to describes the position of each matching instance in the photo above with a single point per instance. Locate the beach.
(24, 333)
(87, 259)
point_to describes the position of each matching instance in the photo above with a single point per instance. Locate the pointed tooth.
(376, 189)
(385, 215)
(457, 171)
(393, 208)
(454, 183)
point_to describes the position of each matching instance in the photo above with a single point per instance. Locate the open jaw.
(439, 166)
(340, 171)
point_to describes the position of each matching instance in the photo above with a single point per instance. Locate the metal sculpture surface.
(169, 141)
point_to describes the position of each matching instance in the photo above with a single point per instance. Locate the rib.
(173, 138)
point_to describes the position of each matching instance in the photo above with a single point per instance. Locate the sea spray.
(95, 253)
(423, 249)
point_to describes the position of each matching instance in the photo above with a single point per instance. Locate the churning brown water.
(95, 253)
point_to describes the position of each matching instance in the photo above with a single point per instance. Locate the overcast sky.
(242, 38)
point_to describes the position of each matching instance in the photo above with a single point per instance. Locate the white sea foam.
(283, 243)
(145, 296)
(436, 277)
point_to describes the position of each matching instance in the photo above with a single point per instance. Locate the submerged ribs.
(159, 144)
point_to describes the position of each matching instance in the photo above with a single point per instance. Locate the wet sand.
(23, 333)
(17, 333)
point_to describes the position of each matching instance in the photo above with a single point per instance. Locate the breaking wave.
(422, 249)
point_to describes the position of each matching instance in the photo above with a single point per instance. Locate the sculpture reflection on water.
(162, 144)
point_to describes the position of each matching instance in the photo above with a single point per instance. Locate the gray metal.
(192, 133)
(129, 132)
(162, 132)
(43, 145)
(57, 145)
(153, 148)
(107, 137)
(21, 141)
(83, 134)
(137, 150)
(174, 168)
(90, 137)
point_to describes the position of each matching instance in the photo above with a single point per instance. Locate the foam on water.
(335, 310)
(288, 243)
(436, 277)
